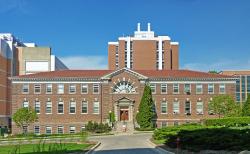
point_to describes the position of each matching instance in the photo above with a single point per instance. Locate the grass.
(158, 142)
(46, 148)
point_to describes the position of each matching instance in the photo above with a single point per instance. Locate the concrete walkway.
(125, 144)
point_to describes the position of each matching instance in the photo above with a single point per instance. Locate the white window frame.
(37, 133)
(58, 103)
(176, 85)
(166, 106)
(70, 130)
(72, 104)
(46, 128)
(46, 107)
(176, 110)
(185, 91)
(86, 103)
(224, 87)
(95, 103)
(166, 124)
(153, 88)
(23, 87)
(60, 127)
(164, 85)
(60, 90)
(37, 104)
(49, 85)
(95, 86)
(73, 86)
(84, 85)
(199, 111)
(201, 87)
(190, 107)
(208, 86)
(36, 86)
(26, 104)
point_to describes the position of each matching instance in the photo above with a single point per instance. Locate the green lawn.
(46, 148)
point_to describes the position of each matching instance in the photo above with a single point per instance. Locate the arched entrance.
(124, 108)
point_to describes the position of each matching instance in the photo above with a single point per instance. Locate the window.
(25, 104)
(176, 107)
(163, 88)
(153, 88)
(187, 88)
(222, 88)
(210, 110)
(96, 108)
(164, 107)
(72, 129)
(84, 88)
(176, 88)
(199, 89)
(48, 107)
(60, 88)
(164, 124)
(95, 88)
(199, 107)
(187, 108)
(49, 88)
(25, 129)
(210, 88)
(37, 88)
(176, 123)
(60, 108)
(48, 130)
(37, 107)
(72, 88)
(59, 129)
(72, 107)
(83, 128)
(84, 107)
(25, 88)
(36, 130)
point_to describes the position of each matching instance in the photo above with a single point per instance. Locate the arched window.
(124, 87)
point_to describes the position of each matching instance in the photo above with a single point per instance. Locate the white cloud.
(225, 64)
(85, 62)
(13, 5)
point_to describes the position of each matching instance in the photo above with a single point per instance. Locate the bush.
(167, 132)
(94, 127)
(212, 139)
(228, 122)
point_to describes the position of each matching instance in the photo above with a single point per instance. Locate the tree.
(24, 117)
(146, 114)
(246, 107)
(224, 105)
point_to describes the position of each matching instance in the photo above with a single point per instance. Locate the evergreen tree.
(246, 107)
(146, 114)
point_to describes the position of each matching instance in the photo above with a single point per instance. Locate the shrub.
(228, 122)
(167, 132)
(94, 127)
(212, 139)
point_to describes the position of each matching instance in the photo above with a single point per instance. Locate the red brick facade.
(126, 97)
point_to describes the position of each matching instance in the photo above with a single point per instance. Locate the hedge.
(166, 132)
(228, 122)
(211, 139)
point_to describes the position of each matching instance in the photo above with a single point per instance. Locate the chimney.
(149, 27)
(138, 27)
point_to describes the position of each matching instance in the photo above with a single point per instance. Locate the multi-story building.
(143, 51)
(66, 100)
(17, 58)
(242, 84)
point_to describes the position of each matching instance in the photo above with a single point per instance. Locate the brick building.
(143, 51)
(66, 100)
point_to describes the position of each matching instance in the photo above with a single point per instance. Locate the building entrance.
(124, 115)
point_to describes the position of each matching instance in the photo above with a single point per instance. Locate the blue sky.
(213, 34)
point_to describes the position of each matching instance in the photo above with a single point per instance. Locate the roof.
(236, 72)
(98, 74)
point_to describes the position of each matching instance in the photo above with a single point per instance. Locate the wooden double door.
(124, 115)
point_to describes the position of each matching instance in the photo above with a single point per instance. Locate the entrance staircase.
(128, 129)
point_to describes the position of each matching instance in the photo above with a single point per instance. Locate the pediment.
(117, 72)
